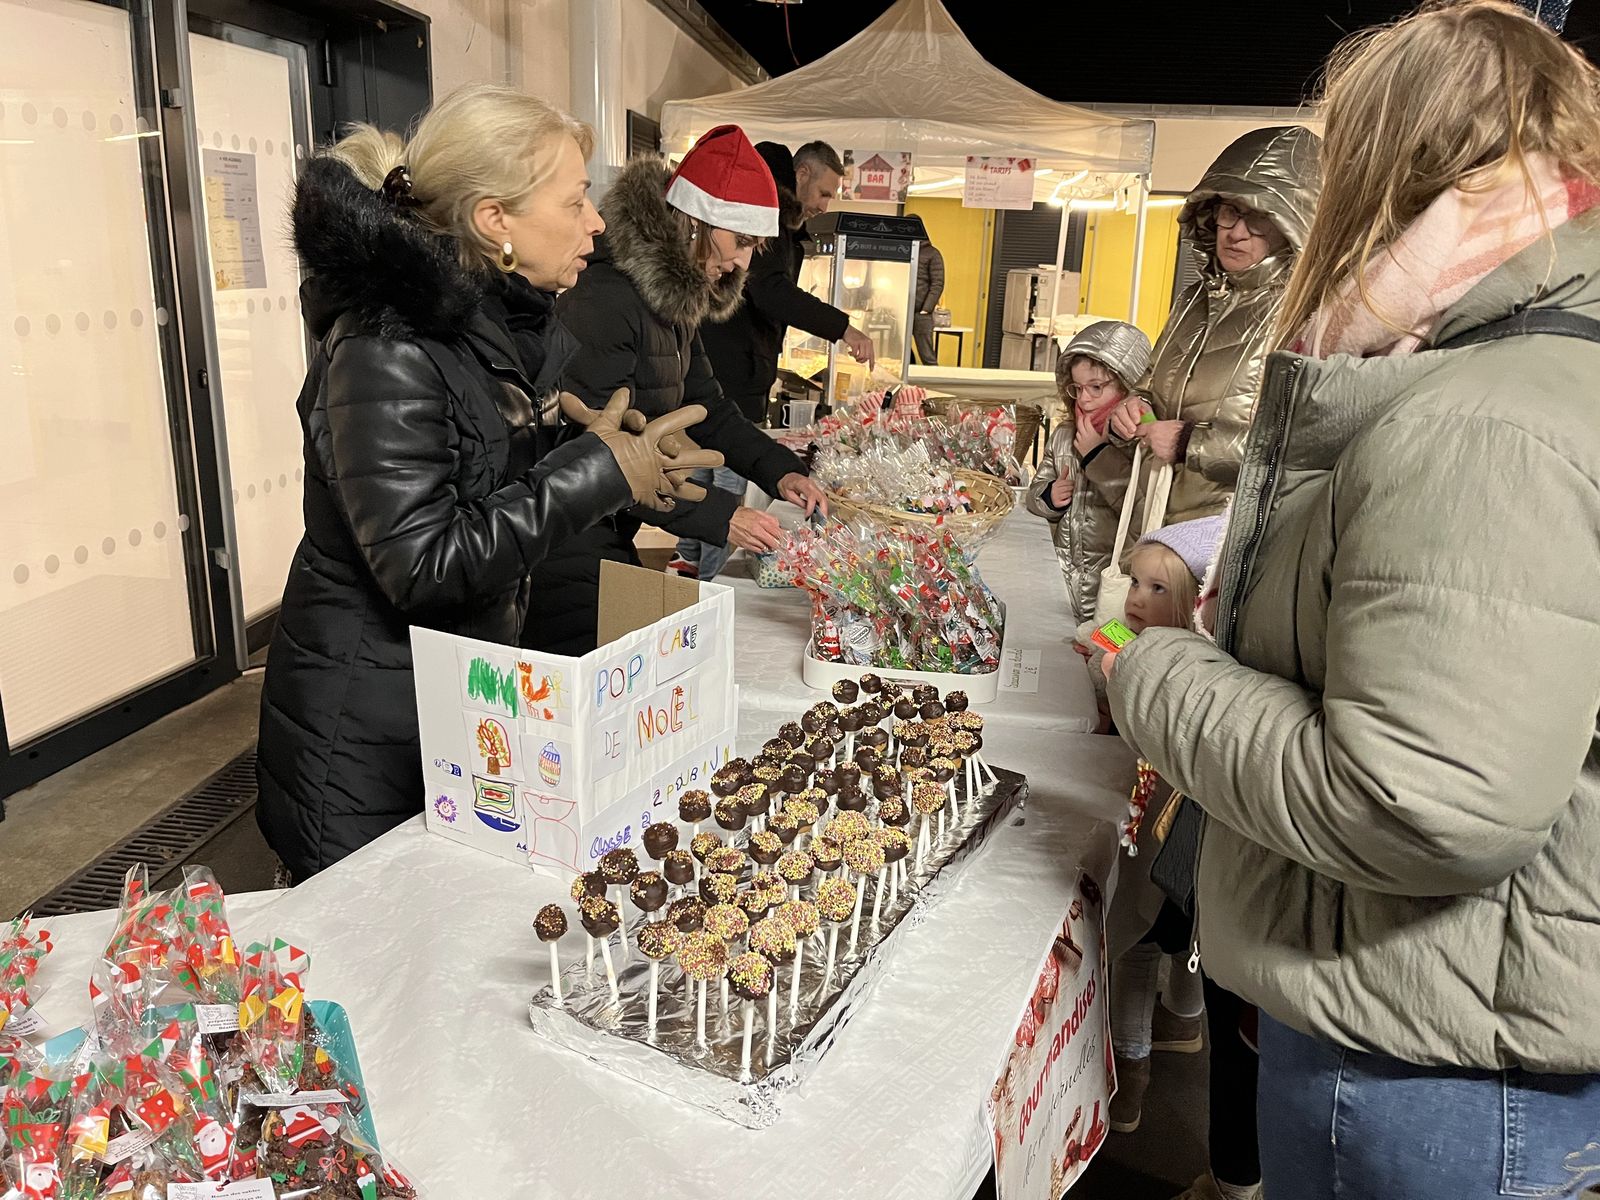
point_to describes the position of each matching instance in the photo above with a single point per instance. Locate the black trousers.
(1235, 1151)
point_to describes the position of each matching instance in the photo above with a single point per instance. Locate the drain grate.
(162, 844)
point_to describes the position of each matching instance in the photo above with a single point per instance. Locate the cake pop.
(658, 940)
(766, 848)
(845, 691)
(702, 957)
(694, 806)
(863, 857)
(796, 868)
(687, 913)
(660, 840)
(678, 867)
(601, 919)
(550, 924)
(871, 684)
(784, 825)
(835, 900)
(956, 702)
(649, 891)
(726, 860)
(773, 938)
(703, 844)
(730, 811)
(751, 978)
(716, 888)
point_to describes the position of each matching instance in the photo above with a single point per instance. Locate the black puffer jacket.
(636, 313)
(744, 348)
(421, 507)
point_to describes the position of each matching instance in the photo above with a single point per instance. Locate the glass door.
(105, 590)
(252, 126)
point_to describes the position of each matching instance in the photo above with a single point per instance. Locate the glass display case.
(865, 264)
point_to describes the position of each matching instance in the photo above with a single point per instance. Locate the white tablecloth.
(1019, 565)
(428, 946)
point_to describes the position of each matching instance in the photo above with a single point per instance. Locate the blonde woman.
(1394, 736)
(429, 265)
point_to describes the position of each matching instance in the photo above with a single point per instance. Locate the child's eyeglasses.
(1094, 389)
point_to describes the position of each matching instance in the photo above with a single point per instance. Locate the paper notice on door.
(233, 221)
(1019, 669)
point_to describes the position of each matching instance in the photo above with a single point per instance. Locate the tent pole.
(1138, 248)
(1055, 292)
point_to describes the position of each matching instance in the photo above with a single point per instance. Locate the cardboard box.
(553, 760)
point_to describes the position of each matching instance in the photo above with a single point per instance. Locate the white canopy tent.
(911, 81)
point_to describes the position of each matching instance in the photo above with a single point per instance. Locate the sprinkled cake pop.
(796, 868)
(863, 857)
(703, 957)
(678, 867)
(848, 826)
(649, 891)
(550, 924)
(894, 812)
(726, 860)
(730, 812)
(784, 825)
(793, 734)
(751, 978)
(871, 684)
(754, 903)
(694, 806)
(658, 940)
(835, 901)
(703, 844)
(726, 921)
(956, 702)
(717, 888)
(774, 939)
(845, 691)
(590, 883)
(600, 920)
(827, 853)
(766, 847)
(853, 800)
(687, 913)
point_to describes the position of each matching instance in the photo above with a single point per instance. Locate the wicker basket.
(1029, 417)
(991, 502)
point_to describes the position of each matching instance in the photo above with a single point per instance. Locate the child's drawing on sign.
(494, 746)
(552, 830)
(496, 805)
(542, 691)
(490, 685)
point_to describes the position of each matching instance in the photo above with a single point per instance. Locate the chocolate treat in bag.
(22, 949)
(272, 1012)
(129, 982)
(202, 956)
(35, 1107)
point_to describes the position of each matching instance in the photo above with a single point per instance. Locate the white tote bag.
(1114, 582)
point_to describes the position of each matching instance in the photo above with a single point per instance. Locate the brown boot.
(1174, 1034)
(1133, 1078)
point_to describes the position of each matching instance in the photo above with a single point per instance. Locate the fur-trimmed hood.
(365, 256)
(641, 240)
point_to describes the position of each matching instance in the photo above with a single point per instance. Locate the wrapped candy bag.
(271, 1012)
(131, 978)
(22, 949)
(203, 959)
(35, 1108)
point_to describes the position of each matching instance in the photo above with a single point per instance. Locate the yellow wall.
(964, 237)
(1108, 266)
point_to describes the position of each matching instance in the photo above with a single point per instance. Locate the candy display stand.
(819, 673)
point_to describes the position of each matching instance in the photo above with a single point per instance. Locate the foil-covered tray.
(616, 1036)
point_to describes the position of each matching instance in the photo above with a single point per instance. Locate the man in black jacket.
(744, 349)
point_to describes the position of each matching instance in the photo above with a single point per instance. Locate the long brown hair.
(1457, 95)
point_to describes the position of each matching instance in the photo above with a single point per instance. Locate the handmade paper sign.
(1049, 1107)
(998, 183)
(531, 756)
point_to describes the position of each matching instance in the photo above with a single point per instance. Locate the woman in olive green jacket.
(1394, 737)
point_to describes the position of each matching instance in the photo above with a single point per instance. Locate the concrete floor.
(60, 826)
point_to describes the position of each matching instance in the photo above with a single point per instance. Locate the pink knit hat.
(1196, 542)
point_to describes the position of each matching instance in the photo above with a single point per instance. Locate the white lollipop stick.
(655, 971)
(794, 978)
(850, 744)
(700, 1029)
(588, 959)
(855, 919)
(611, 972)
(744, 1053)
(833, 946)
(555, 974)
(950, 795)
(877, 900)
(994, 780)
(894, 882)
(724, 997)
(772, 1016)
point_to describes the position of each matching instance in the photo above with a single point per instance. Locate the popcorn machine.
(865, 264)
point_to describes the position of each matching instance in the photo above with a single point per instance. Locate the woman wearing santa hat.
(674, 254)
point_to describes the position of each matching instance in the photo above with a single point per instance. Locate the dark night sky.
(1120, 51)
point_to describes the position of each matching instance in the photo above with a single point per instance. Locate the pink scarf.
(1458, 240)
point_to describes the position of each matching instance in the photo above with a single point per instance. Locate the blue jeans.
(705, 555)
(1340, 1125)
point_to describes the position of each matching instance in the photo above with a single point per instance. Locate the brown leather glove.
(674, 444)
(652, 460)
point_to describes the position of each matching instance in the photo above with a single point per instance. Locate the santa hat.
(725, 183)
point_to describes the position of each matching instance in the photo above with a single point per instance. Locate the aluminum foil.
(711, 1076)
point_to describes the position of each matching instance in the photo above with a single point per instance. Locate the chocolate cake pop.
(750, 976)
(766, 847)
(845, 691)
(754, 902)
(703, 958)
(956, 702)
(658, 940)
(730, 812)
(905, 708)
(827, 853)
(820, 748)
(694, 806)
(725, 781)
(850, 720)
(718, 889)
(801, 915)
(836, 900)
(852, 800)
(601, 919)
(871, 684)
(796, 868)
(768, 773)
(803, 812)
(703, 844)
(726, 921)
(660, 839)
(826, 780)
(687, 913)
(649, 891)
(726, 860)
(848, 827)
(792, 778)
(914, 756)
(793, 733)
(550, 924)
(847, 774)
(678, 867)
(785, 826)
(930, 709)
(893, 812)
(590, 883)
(924, 692)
